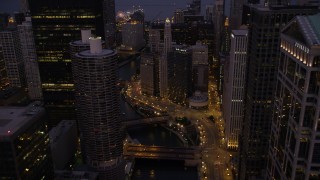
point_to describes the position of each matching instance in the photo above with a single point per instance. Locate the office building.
(234, 84)
(167, 47)
(24, 144)
(200, 67)
(178, 16)
(193, 8)
(4, 81)
(63, 144)
(154, 40)
(209, 13)
(133, 36)
(4, 18)
(262, 64)
(109, 20)
(55, 24)
(147, 74)
(294, 151)
(218, 26)
(179, 71)
(30, 60)
(12, 55)
(98, 110)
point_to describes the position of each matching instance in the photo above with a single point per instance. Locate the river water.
(145, 169)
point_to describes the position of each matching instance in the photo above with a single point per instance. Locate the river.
(153, 135)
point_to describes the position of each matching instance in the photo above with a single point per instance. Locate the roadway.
(215, 157)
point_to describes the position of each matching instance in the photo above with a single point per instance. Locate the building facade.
(265, 23)
(179, 71)
(24, 144)
(55, 24)
(163, 65)
(30, 60)
(12, 55)
(294, 151)
(200, 67)
(133, 35)
(98, 110)
(234, 84)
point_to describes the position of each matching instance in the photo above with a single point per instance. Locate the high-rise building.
(133, 35)
(209, 13)
(167, 38)
(154, 40)
(147, 72)
(178, 16)
(234, 84)
(24, 143)
(179, 71)
(265, 23)
(200, 67)
(30, 60)
(193, 8)
(4, 81)
(294, 151)
(218, 26)
(109, 18)
(12, 55)
(55, 24)
(98, 110)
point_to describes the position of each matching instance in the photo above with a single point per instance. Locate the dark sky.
(152, 8)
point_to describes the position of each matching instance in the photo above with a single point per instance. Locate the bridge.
(147, 121)
(190, 154)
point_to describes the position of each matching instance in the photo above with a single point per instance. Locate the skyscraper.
(294, 151)
(179, 74)
(12, 55)
(98, 110)
(4, 81)
(109, 18)
(218, 25)
(263, 56)
(24, 143)
(200, 67)
(55, 24)
(234, 84)
(30, 60)
(164, 59)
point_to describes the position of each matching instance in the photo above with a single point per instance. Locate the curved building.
(97, 104)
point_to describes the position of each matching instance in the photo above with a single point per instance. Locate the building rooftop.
(13, 118)
(88, 54)
(310, 29)
(240, 32)
(62, 128)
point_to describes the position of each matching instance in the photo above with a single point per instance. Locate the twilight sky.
(151, 8)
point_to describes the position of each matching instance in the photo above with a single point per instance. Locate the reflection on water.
(163, 169)
(155, 135)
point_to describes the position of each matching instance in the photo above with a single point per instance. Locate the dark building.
(56, 24)
(179, 75)
(265, 24)
(4, 81)
(109, 18)
(19, 17)
(24, 144)
(4, 18)
(194, 8)
(98, 110)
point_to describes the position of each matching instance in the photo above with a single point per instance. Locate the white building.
(234, 84)
(163, 65)
(30, 60)
(132, 35)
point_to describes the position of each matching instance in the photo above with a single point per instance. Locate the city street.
(215, 159)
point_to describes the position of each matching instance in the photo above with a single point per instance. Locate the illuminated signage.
(302, 47)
